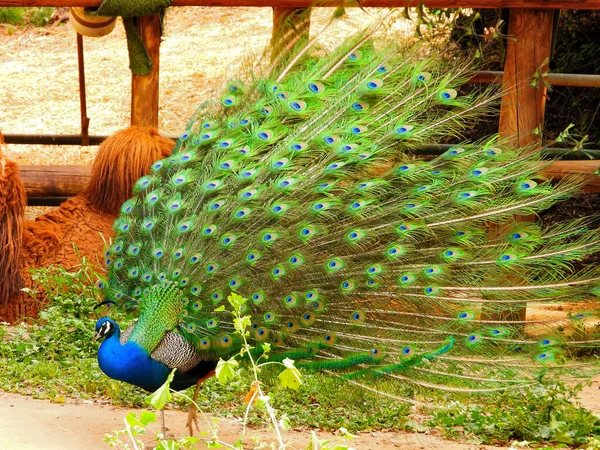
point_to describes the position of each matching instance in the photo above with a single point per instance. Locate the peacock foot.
(192, 419)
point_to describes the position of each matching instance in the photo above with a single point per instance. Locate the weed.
(38, 17)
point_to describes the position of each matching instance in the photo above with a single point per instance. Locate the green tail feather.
(297, 190)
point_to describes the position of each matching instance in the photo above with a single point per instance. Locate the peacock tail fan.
(383, 277)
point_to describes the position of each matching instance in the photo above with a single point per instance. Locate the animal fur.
(12, 208)
(82, 224)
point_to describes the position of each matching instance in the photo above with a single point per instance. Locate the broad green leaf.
(226, 370)
(147, 417)
(290, 378)
(159, 399)
(236, 300)
(241, 323)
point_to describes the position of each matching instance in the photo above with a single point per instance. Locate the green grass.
(54, 358)
(26, 16)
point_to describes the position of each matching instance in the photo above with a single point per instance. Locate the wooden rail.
(45, 182)
(527, 4)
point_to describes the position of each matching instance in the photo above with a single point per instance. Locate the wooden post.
(522, 110)
(144, 88)
(85, 120)
(290, 27)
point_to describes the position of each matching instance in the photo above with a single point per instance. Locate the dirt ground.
(29, 424)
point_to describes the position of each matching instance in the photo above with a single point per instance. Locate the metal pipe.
(51, 139)
(428, 149)
(46, 201)
(551, 153)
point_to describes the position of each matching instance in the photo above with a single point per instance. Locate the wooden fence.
(531, 26)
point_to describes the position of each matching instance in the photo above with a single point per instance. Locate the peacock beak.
(97, 336)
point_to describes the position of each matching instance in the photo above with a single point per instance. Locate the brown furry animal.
(12, 208)
(84, 221)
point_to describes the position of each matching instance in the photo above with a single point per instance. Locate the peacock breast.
(131, 363)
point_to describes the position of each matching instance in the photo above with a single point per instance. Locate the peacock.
(298, 189)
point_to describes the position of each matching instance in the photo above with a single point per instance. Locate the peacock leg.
(192, 413)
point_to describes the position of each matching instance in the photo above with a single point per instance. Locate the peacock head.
(105, 327)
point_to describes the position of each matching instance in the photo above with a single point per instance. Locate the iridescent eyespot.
(474, 338)
(253, 257)
(308, 319)
(433, 270)
(209, 230)
(358, 317)
(374, 270)
(228, 101)
(373, 85)
(334, 264)
(422, 77)
(226, 341)
(290, 300)
(242, 213)
(228, 239)
(360, 106)
(280, 163)
(447, 94)
(355, 56)
(311, 295)
(316, 88)
(406, 278)
(347, 285)
(196, 289)
(296, 260)
(407, 351)
(261, 333)
(402, 130)
(278, 272)
(297, 105)
(265, 135)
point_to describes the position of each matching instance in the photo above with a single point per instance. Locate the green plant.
(12, 15)
(38, 17)
(544, 413)
(53, 358)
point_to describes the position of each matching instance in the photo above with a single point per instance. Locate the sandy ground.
(29, 424)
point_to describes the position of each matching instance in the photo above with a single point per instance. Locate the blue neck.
(130, 363)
